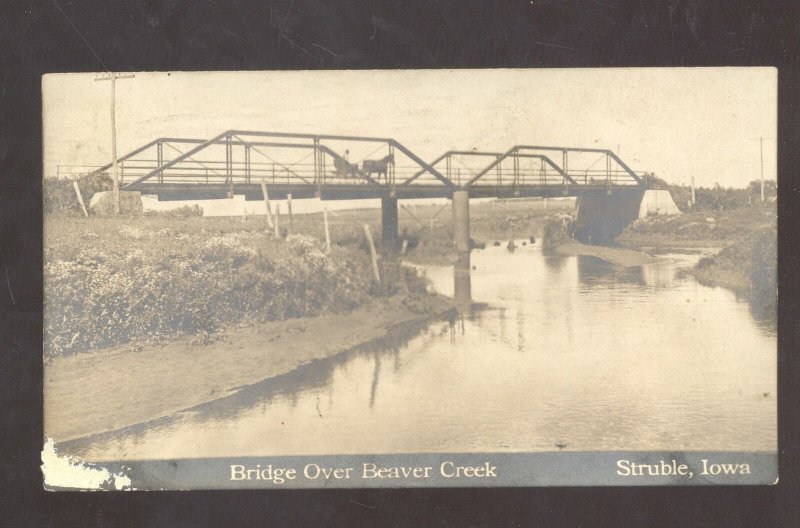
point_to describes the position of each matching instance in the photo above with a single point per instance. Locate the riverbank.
(121, 386)
(746, 240)
(711, 229)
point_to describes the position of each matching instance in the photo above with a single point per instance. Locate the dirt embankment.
(747, 260)
(749, 266)
(698, 229)
(121, 386)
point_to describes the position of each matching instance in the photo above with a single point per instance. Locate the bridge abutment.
(601, 216)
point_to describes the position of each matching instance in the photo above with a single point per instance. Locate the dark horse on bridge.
(379, 167)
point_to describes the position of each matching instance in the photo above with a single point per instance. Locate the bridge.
(322, 166)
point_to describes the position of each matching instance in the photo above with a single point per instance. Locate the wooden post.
(277, 221)
(266, 202)
(80, 199)
(405, 246)
(291, 218)
(327, 232)
(372, 252)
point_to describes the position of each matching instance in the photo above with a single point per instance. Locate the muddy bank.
(748, 266)
(618, 256)
(117, 387)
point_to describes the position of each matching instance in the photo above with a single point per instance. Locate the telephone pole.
(111, 76)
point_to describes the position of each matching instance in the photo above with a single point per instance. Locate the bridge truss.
(319, 165)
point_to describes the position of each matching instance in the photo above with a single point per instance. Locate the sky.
(674, 122)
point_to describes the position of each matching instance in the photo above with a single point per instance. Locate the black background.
(37, 38)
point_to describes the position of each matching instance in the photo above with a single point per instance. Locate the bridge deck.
(252, 191)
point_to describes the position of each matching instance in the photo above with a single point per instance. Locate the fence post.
(372, 252)
(277, 220)
(80, 198)
(291, 217)
(266, 201)
(327, 232)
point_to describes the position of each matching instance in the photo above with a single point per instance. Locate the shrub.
(58, 195)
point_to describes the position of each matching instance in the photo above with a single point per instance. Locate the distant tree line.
(716, 197)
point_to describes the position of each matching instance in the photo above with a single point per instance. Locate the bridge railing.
(204, 162)
(520, 158)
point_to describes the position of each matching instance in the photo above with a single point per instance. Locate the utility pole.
(761, 141)
(111, 76)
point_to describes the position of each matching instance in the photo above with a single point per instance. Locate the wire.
(105, 68)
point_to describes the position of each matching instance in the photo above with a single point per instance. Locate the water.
(569, 353)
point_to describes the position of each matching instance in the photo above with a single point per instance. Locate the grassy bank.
(705, 228)
(111, 281)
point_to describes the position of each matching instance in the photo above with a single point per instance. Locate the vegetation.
(716, 198)
(111, 281)
(59, 198)
(704, 227)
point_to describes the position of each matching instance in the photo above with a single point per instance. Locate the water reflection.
(288, 388)
(462, 281)
(594, 271)
(573, 355)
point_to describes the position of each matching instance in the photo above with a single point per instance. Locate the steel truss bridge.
(319, 165)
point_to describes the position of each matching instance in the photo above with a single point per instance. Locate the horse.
(345, 169)
(379, 166)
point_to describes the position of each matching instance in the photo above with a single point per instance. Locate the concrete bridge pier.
(389, 224)
(462, 287)
(601, 216)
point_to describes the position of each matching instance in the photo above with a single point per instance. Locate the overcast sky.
(674, 122)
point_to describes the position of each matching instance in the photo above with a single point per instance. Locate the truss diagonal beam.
(511, 152)
(189, 153)
(610, 153)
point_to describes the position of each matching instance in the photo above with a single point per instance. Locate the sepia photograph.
(410, 278)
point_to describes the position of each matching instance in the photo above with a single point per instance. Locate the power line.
(105, 68)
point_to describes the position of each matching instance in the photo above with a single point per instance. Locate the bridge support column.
(389, 229)
(462, 288)
(461, 221)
